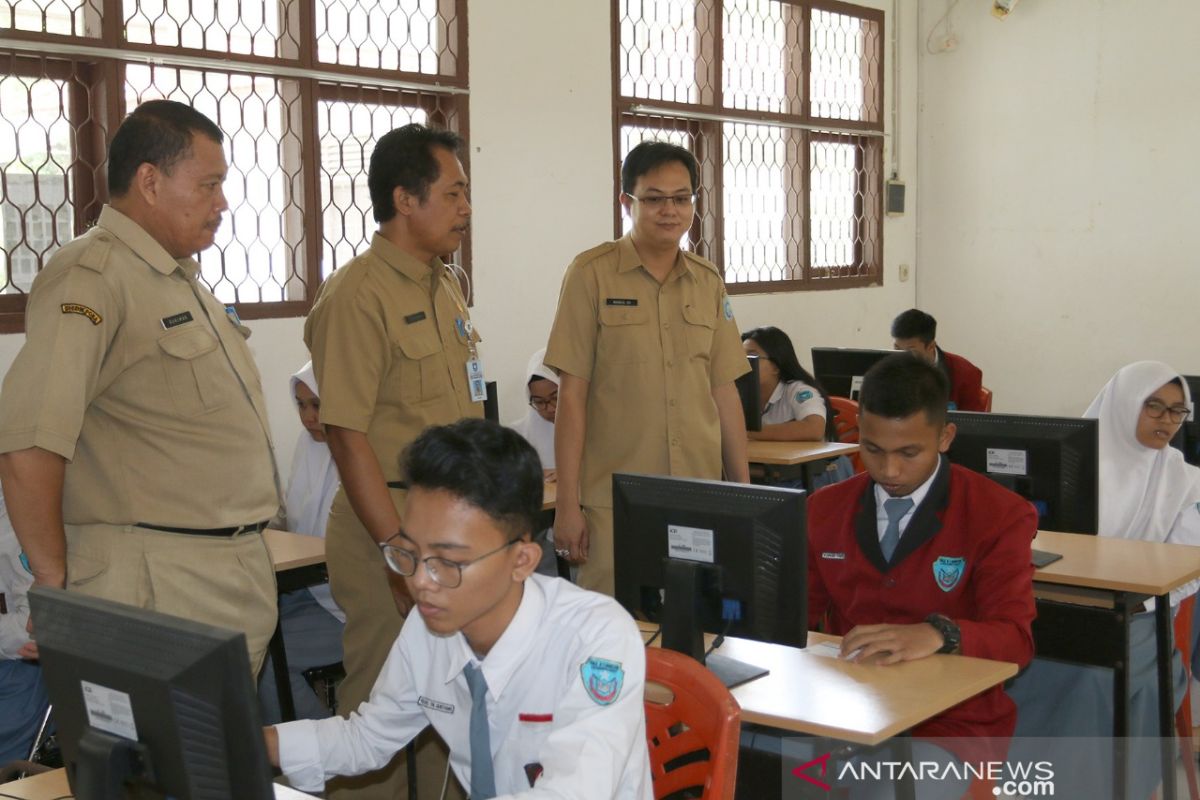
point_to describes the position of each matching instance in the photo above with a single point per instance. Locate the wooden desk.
(1085, 603)
(785, 461)
(858, 703)
(51, 785)
(549, 495)
(299, 563)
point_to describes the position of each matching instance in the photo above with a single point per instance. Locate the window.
(781, 103)
(301, 88)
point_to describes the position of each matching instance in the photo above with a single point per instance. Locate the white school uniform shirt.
(565, 691)
(537, 431)
(793, 400)
(15, 580)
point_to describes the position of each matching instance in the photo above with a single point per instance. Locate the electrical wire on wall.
(946, 41)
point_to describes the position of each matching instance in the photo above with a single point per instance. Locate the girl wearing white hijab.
(1147, 492)
(312, 622)
(537, 426)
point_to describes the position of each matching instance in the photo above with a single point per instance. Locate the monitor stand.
(680, 622)
(104, 763)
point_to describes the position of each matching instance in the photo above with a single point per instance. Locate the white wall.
(1058, 183)
(542, 186)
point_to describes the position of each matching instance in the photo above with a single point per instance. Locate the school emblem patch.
(728, 308)
(602, 680)
(948, 571)
(803, 396)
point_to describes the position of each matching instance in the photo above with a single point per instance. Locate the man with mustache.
(135, 452)
(394, 352)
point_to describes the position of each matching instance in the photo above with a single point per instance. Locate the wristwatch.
(951, 635)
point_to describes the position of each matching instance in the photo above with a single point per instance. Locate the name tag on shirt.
(435, 705)
(833, 556)
(417, 317)
(620, 301)
(176, 320)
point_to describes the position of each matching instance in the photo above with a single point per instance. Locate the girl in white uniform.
(537, 426)
(312, 622)
(795, 407)
(1147, 492)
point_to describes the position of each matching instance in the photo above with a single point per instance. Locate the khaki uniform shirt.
(653, 354)
(133, 371)
(390, 342)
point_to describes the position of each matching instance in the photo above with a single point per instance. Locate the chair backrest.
(985, 398)
(701, 716)
(846, 424)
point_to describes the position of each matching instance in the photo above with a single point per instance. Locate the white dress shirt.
(881, 519)
(794, 400)
(549, 703)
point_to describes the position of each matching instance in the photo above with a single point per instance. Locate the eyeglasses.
(542, 403)
(656, 201)
(443, 571)
(1155, 410)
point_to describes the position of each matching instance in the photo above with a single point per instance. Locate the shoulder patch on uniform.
(803, 395)
(602, 680)
(948, 571)
(728, 308)
(82, 310)
(25, 563)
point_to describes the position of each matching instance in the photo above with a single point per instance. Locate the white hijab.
(313, 483)
(1142, 490)
(537, 431)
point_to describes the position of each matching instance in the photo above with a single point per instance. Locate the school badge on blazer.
(602, 680)
(948, 571)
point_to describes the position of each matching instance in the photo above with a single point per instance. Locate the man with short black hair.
(535, 685)
(647, 351)
(916, 332)
(137, 457)
(394, 351)
(919, 556)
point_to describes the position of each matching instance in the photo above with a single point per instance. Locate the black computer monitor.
(491, 403)
(1188, 437)
(1051, 461)
(696, 555)
(750, 392)
(840, 369)
(155, 701)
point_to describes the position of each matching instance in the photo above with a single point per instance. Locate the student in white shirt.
(312, 622)
(1147, 492)
(561, 714)
(537, 426)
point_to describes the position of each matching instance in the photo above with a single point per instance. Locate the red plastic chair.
(845, 424)
(701, 715)
(1183, 717)
(985, 398)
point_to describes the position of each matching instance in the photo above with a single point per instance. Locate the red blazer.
(966, 381)
(964, 554)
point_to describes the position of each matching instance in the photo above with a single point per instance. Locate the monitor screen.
(697, 555)
(840, 369)
(145, 699)
(491, 403)
(1188, 437)
(1051, 461)
(751, 394)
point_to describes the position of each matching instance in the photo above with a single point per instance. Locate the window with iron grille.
(301, 88)
(781, 103)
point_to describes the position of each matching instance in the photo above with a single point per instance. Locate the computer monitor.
(697, 555)
(751, 394)
(491, 403)
(840, 369)
(1188, 437)
(1051, 461)
(154, 701)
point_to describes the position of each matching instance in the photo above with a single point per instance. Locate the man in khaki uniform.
(392, 344)
(137, 460)
(647, 350)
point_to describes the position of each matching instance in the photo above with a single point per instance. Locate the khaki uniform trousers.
(224, 581)
(596, 573)
(359, 578)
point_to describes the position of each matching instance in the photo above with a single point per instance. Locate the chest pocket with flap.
(196, 372)
(422, 364)
(623, 336)
(700, 329)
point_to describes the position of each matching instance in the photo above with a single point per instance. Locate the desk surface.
(549, 495)
(789, 453)
(860, 703)
(1122, 565)
(50, 785)
(292, 550)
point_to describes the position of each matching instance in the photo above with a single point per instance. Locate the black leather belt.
(255, 527)
(397, 485)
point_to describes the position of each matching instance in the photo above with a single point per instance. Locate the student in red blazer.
(916, 332)
(959, 579)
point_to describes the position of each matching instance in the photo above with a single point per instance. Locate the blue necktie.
(483, 775)
(895, 508)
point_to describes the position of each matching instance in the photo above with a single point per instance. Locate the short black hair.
(778, 347)
(158, 132)
(900, 385)
(914, 324)
(648, 156)
(491, 467)
(405, 157)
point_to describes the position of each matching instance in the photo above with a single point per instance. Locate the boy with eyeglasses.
(534, 684)
(647, 351)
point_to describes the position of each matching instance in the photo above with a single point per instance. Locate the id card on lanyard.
(476, 384)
